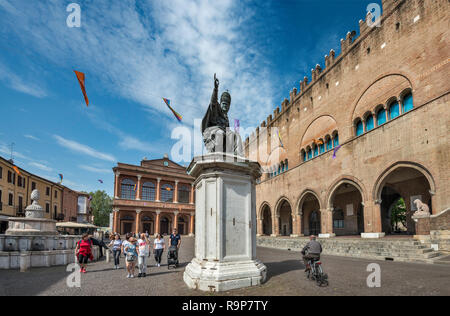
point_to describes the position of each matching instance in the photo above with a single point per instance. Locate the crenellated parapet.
(276, 112)
(387, 4)
(329, 60)
(292, 95)
(315, 73)
(348, 43)
(284, 105)
(303, 84)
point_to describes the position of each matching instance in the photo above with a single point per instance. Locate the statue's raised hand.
(216, 82)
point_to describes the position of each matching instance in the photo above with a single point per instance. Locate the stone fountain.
(33, 241)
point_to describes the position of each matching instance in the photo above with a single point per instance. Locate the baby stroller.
(172, 257)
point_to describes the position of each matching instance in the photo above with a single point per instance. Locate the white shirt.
(125, 245)
(159, 244)
(143, 248)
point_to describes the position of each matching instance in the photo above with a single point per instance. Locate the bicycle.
(315, 273)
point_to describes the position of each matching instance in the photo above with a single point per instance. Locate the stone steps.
(407, 250)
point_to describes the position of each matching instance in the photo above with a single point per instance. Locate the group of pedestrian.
(135, 250)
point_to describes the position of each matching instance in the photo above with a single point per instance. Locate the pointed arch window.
(309, 154)
(329, 144)
(381, 117)
(369, 123)
(316, 150)
(336, 140)
(359, 128)
(394, 110)
(408, 103)
(321, 147)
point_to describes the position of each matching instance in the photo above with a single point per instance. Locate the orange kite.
(16, 170)
(80, 77)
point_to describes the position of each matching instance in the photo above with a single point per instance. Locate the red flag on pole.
(80, 77)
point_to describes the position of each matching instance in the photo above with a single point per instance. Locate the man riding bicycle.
(311, 251)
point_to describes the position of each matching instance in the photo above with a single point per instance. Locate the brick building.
(154, 197)
(76, 206)
(383, 106)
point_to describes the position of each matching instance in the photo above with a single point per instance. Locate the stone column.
(175, 194)
(434, 209)
(191, 224)
(326, 218)
(372, 220)
(294, 226)
(158, 190)
(298, 225)
(259, 230)
(138, 220)
(139, 189)
(157, 222)
(276, 226)
(386, 111)
(116, 185)
(175, 220)
(192, 193)
(116, 221)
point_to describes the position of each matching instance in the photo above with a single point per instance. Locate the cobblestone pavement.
(285, 277)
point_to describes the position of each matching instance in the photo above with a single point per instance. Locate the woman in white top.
(125, 243)
(143, 244)
(116, 245)
(158, 248)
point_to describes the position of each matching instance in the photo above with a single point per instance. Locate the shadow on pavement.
(282, 267)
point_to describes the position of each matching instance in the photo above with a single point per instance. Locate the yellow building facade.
(15, 190)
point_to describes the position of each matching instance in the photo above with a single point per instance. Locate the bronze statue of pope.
(217, 135)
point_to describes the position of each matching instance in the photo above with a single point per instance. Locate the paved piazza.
(285, 277)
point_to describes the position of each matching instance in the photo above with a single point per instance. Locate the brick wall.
(407, 53)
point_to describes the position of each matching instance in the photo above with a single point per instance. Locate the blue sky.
(136, 52)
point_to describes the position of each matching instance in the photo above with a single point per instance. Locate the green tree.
(398, 214)
(101, 206)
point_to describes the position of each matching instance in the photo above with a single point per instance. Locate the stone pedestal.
(225, 234)
(422, 222)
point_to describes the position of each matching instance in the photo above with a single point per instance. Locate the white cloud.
(145, 50)
(17, 83)
(31, 137)
(95, 169)
(40, 166)
(83, 149)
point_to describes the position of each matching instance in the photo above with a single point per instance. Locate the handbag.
(131, 257)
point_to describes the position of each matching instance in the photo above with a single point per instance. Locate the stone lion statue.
(422, 208)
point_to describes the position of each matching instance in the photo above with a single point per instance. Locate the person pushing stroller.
(175, 243)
